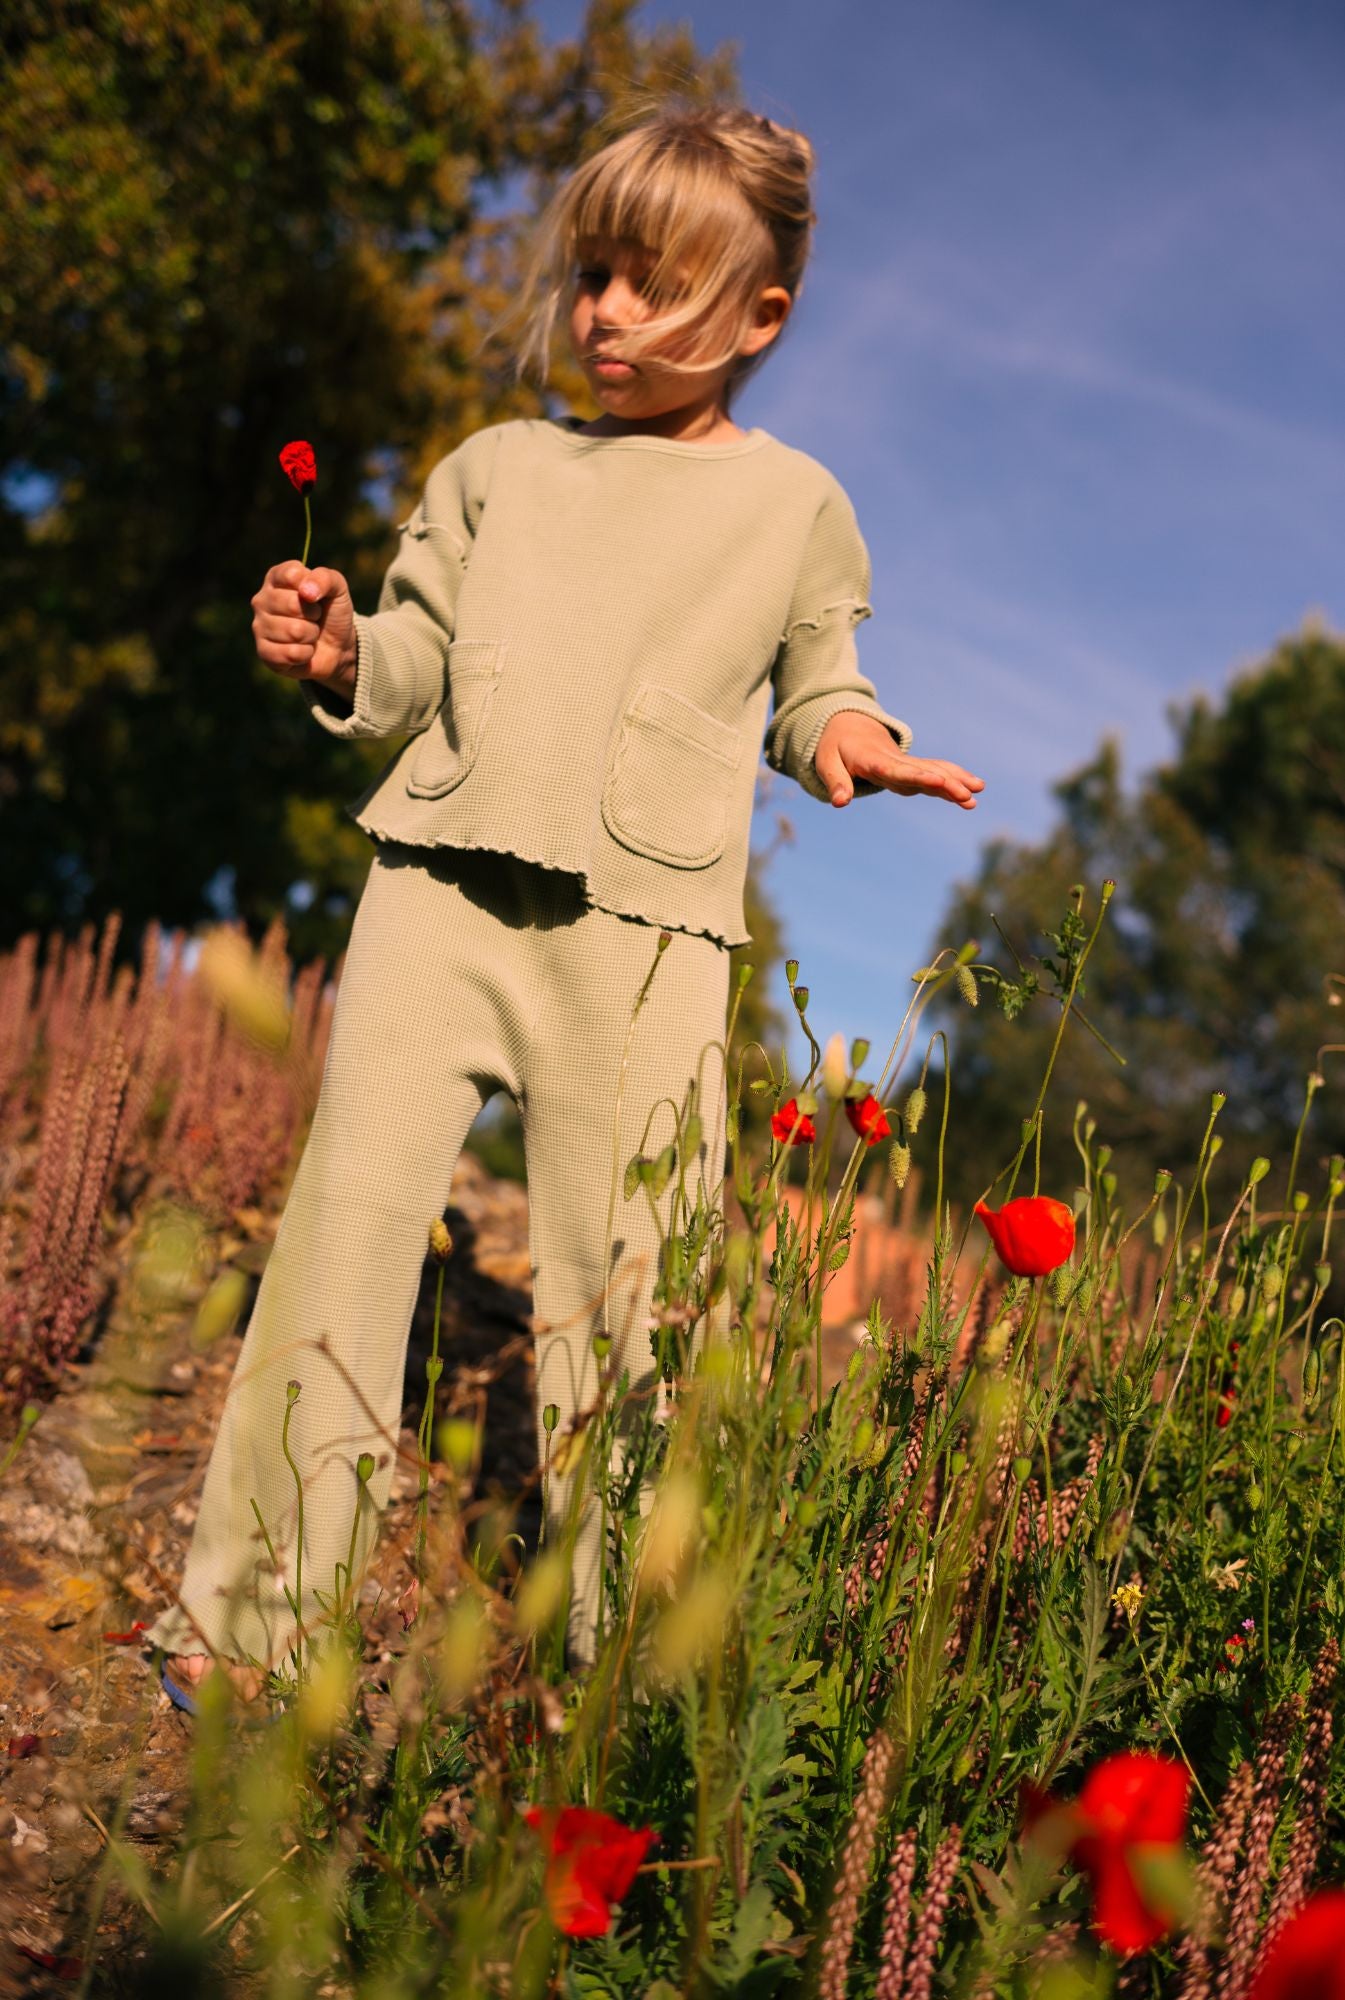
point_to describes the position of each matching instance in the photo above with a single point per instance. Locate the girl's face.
(612, 291)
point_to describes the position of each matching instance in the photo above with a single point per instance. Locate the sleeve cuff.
(335, 715)
(838, 705)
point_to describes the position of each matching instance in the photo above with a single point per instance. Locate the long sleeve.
(815, 674)
(402, 650)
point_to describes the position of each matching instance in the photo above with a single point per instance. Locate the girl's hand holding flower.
(854, 745)
(303, 625)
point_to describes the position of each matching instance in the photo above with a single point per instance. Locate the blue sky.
(1072, 341)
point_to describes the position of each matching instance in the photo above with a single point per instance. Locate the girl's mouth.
(604, 365)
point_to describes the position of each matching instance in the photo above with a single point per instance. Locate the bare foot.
(190, 1669)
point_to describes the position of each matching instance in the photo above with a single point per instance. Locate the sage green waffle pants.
(465, 972)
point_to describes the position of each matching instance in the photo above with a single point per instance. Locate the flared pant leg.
(465, 973)
(606, 1081)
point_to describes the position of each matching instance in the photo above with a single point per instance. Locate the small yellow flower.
(441, 1243)
(1128, 1598)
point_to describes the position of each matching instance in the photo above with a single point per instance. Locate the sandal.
(181, 1699)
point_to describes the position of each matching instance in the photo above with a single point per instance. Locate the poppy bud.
(441, 1243)
(1312, 1380)
(745, 975)
(1162, 1180)
(858, 1050)
(899, 1162)
(364, 1467)
(1237, 1300)
(602, 1345)
(1021, 1468)
(550, 1418)
(1258, 1170)
(1272, 1283)
(835, 1071)
(1321, 1276)
(1300, 1202)
(915, 1109)
(966, 984)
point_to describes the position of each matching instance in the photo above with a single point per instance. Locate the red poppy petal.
(575, 1907)
(1307, 1959)
(126, 1638)
(1121, 1916)
(1137, 1796)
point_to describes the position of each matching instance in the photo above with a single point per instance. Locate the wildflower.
(126, 1638)
(868, 1118)
(1224, 1414)
(299, 465)
(592, 1860)
(441, 1242)
(1131, 1803)
(301, 469)
(1228, 1576)
(1127, 1823)
(1127, 1598)
(1306, 1961)
(787, 1118)
(1032, 1234)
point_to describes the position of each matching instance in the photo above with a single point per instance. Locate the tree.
(220, 228)
(1213, 967)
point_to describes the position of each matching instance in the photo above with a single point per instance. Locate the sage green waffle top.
(583, 635)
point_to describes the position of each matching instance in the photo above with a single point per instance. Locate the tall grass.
(1033, 1525)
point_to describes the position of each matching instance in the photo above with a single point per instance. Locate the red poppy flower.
(1226, 1396)
(782, 1123)
(1307, 1959)
(591, 1862)
(51, 1961)
(126, 1638)
(300, 465)
(868, 1117)
(25, 1746)
(1129, 1803)
(1033, 1234)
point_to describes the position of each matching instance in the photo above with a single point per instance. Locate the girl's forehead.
(622, 246)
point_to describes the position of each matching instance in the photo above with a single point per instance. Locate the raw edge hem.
(541, 861)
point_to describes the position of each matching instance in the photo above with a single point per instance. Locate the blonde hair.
(717, 193)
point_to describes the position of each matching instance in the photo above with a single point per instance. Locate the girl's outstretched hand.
(854, 745)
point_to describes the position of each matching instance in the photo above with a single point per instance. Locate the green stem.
(308, 531)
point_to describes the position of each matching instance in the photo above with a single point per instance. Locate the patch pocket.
(450, 746)
(668, 784)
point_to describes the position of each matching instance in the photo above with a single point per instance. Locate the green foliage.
(1096, 1514)
(222, 227)
(1214, 973)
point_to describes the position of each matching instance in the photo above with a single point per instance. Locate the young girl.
(581, 631)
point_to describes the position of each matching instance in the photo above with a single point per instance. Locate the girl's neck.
(724, 432)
